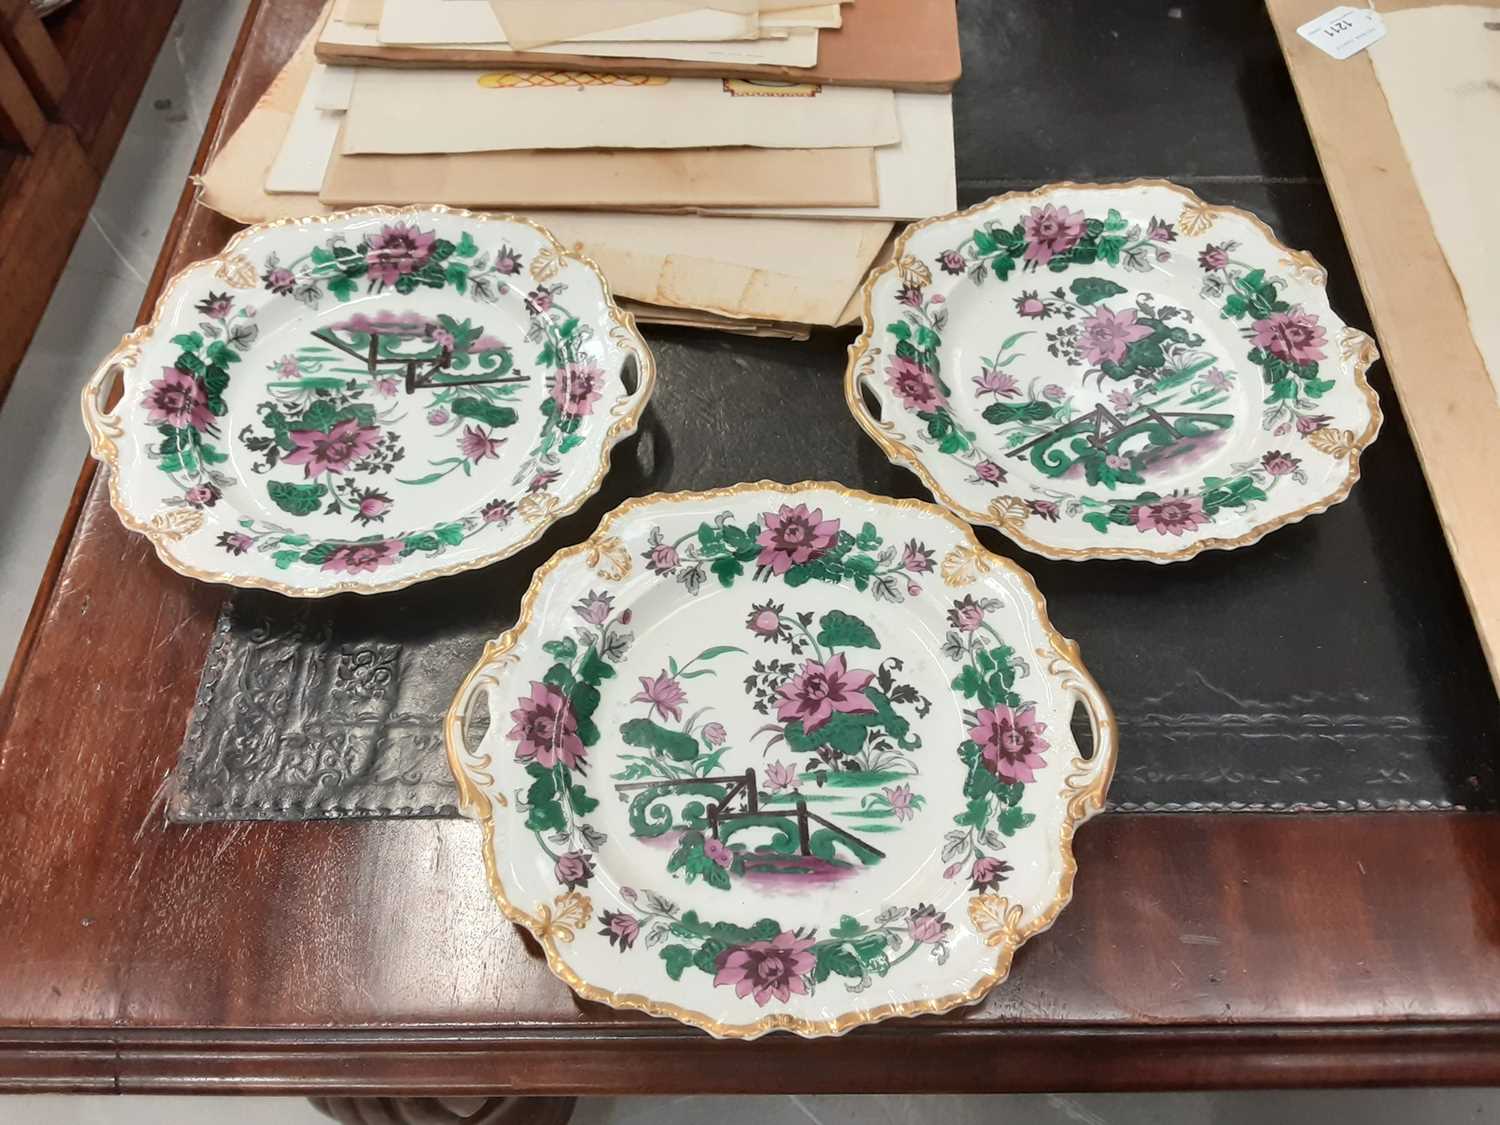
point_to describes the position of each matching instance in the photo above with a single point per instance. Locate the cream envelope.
(407, 22)
(332, 87)
(463, 111)
(650, 179)
(533, 23)
(917, 177)
(799, 49)
(302, 160)
(816, 15)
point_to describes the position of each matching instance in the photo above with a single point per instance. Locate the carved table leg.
(447, 1111)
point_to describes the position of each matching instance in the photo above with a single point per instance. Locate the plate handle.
(471, 766)
(1089, 781)
(637, 374)
(104, 428)
(863, 401)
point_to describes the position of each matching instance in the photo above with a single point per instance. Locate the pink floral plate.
(780, 758)
(1113, 371)
(366, 400)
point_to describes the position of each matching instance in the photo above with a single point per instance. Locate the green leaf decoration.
(1092, 290)
(1012, 820)
(838, 629)
(677, 958)
(594, 670)
(342, 288)
(564, 649)
(466, 247)
(296, 499)
(497, 417)
(652, 736)
(450, 533)
(1002, 413)
(284, 559)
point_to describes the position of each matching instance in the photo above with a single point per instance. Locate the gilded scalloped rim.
(1359, 343)
(1084, 788)
(104, 429)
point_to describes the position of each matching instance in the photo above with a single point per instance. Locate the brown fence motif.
(744, 785)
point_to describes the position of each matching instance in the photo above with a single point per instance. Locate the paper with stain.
(1440, 71)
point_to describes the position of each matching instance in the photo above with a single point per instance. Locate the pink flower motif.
(573, 869)
(1032, 306)
(546, 728)
(596, 608)
(437, 417)
(912, 384)
(539, 300)
(1051, 230)
(989, 472)
(1279, 464)
(1158, 231)
(216, 305)
(1046, 509)
(373, 506)
(1053, 393)
(177, 399)
(202, 495)
(362, 558)
(334, 451)
(927, 925)
(820, 691)
(988, 871)
(993, 381)
(780, 777)
(288, 367)
(387, 386)
(899, 797)
(1106, 335)
(399, 249)
(497, 511)
(477, 443)
(1170, 516)
(661, 559)
(767, 969)
(765, 621)
(1122, 401)
(443, 338)
(793, 536)
(913, 589)
(951, 261)
(664, 694)
(714, 734)
(236, 542)
(1213, 257)
(507, 261)
(577, 388)
(1010, 742)
(280, 280)
(966, 614)
(1294, 336)
(719, 852)
(1117, 461)
(621, 929)
(910, 296)
(916, 558)
(1217, 379)
(1312, 423)
(540, 482)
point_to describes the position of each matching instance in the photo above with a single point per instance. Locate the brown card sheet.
(898, 44)
(648, 179)
(1419, 313)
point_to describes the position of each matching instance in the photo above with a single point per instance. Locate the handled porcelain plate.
(362, 401)
(1113, 371)
(780, 758)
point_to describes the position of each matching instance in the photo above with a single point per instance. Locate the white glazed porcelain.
(368, 399)
(1113, 371)
(780, 757)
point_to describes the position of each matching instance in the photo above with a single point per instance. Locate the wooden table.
(366, 958)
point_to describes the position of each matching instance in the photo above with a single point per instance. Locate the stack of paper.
(704, 198)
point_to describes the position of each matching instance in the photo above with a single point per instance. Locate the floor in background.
(42, 442)
(1371, 1107)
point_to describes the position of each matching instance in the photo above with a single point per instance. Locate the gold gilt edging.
(995, 919)
(1358, 350)
(104, 429)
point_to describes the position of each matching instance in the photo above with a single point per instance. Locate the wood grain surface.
(366, 958)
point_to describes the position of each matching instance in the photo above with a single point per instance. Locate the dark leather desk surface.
(1202, 950)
